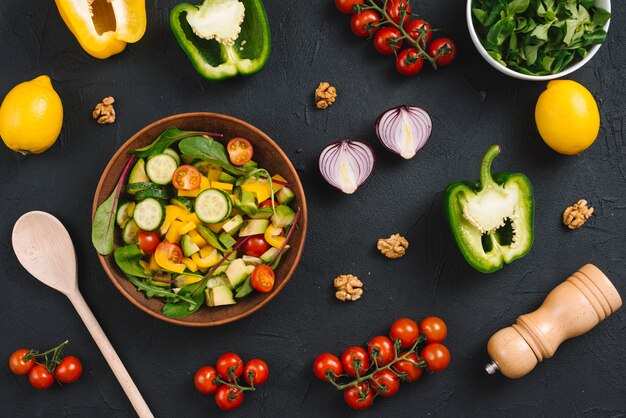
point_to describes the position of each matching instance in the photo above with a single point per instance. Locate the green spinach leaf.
(164, 141)
(155, 291)
(127, 259)
(207, 149)
(182, 308)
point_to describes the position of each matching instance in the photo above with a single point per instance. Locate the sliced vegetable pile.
(202, 223)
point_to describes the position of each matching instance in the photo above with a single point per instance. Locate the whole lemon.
(31, 116)
(567, 117)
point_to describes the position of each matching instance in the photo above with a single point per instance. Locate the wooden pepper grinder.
(570, 309)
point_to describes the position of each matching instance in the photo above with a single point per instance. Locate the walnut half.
(348, 287)
(104, 112)
(576, 215)
(393, 247)
(325, 95)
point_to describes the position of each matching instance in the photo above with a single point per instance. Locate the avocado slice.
(254, 227)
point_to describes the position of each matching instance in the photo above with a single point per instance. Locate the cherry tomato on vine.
(434, 329)
(148, 241)
(40, 378)
(385, 382)
(405, 330)
(268, 203)
(347, 6)
(325, 363)
(360, 397)
(18, 365)
(262, 278)
(409, 62)
(203, 380)
(409, 367)
(351, 356)
(444, 46)
(228, 364)
(394, 10)
(69, 370)
(256, 372)
(383, 347)
(227, 398)
(364, 24)
(387, 40)
(437, 357)
(255, 246)
(186, 177)
(415, 27)
(240, 150)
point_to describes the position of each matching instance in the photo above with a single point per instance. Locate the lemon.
(31, 116)
(567, 117)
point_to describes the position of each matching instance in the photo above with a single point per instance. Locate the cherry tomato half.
(409, 62)
(40, 378)
(409, 367)
(203, 380)
(148, 241)
(351, 357)
(256, 372)
(268, 203)
(227, 398)
(262, 278)
(434, 329)
(387, 40)
(405, 330)
(347, 6)
(360, 397)
(445, 48)
(18, 365)
(415, 28)
(436, 356)
(385, 382)
(229, 364)
(255, 246)
(240, 150)
(327, 364)
(395, 8)
(365, 23)
(69, 370)
(170, 252)
(186, 177)
(380, 350)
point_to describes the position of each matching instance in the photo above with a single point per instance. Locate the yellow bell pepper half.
(104, 27)
(272, 236)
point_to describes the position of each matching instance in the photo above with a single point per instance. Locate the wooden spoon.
(44, 247)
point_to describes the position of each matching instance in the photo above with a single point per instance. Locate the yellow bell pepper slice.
(153, 264)
(188, 279)
(205, 262)
(278, 186)
(196, 238)
(261, 190)
(214, 174)
(171, 213)
(206, 251)
(161, 259)
(272, 236)
(146, 266)
(216, 227)
(192, 217)
(103, 27)
(186, 228)
(191, 265)
(173, 233)
(227, 187)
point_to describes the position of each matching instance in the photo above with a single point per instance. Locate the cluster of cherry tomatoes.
(389, 23)
(387, 361)
(41, 375)
(223, 379)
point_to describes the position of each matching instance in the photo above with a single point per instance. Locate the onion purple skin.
(397, 108)
(336, 143)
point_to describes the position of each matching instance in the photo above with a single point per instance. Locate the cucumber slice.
(149, 214)
(122, 214)
(133, 188)
(153, 193)
(138, 173)
(182, 202)
(172, 154)
(219, 296)
(285, 195)
(131, 232)
(219, 280)
(160, 168)
(213, 206)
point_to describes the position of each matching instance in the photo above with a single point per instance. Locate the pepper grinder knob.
(572, 308)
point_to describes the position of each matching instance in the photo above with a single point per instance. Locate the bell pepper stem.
(485, 167)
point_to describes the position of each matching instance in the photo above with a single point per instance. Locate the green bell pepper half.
(215, 59)
(492, 220)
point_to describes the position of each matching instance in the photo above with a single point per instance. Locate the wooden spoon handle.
(110, 355)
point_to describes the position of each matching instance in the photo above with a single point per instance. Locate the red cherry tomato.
(240, 150)
(18, 365)
(444, 46)
(40, 378)
(349, 360)
(409, 367)
(387, 40)
(360, 397)
(415, 28)
(396, 8)
(262, 278)
(405, 330)
(409, 62)
(186, 177)
(255, 246)
(229, 364)
(436, 356)
(256, 372)
(69, 370)
(268, 203)
(327, 364)
(380, 350)
(365, 23)
(227, 398)
(347, 6)
(148, 241)
(386, 383)
(203, 380)
(434, 329)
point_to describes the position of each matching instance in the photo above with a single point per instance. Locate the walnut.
(348, 287)
(576, 215)
(104, 112)
(325, 95)
(393, 247)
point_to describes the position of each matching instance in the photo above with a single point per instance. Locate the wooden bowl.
(267, 153)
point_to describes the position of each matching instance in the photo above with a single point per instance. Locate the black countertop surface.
(472, 106)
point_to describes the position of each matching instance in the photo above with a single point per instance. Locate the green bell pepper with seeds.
(492, 220)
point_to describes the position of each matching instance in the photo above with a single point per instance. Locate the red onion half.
(347, 164)
(404, 130)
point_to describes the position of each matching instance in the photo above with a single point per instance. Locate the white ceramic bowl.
(605, 4)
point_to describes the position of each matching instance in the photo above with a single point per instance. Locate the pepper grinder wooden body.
(572, 308)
